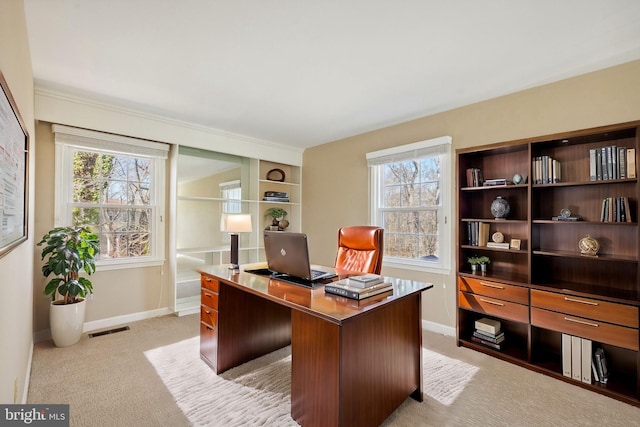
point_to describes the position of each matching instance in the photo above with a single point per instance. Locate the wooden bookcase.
(547, 287)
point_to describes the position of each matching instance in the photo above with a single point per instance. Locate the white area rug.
(258, 393)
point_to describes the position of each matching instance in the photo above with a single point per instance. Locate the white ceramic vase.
(66, 322)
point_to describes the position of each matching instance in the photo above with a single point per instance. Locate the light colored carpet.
(110, 381)
(259, 391)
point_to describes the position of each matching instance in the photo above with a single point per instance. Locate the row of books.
(359, 287)
(612, 162)
(477, 233)
(546, 170)
(275, 196)
(474, 177)
(488, 333)
(581, 363)
(615, 209)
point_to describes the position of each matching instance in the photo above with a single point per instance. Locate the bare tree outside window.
(112, 196)
(410, 200)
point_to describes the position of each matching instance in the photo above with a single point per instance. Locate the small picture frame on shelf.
(515, 244)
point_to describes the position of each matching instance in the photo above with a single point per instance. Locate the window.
(410, 199)
(115, 186)
(229, 192)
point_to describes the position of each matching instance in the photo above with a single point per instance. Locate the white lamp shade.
(236, 223)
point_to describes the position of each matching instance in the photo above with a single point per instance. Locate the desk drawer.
(209, 298)
(585, 328)
(494, 307)
(209, 283)
(209, 316)
(619, 314)
(209, 344)
(493, 289)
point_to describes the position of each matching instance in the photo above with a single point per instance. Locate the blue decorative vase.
(500, 208)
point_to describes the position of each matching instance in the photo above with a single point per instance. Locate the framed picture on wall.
(14, 162)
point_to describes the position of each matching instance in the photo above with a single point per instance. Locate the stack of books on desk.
(359, 287)
(488, 333)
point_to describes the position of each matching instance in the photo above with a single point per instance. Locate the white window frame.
(377, 159)
(68, 140)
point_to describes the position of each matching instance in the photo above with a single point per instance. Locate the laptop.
(288, 258)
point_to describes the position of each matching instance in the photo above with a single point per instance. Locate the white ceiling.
(306, 72)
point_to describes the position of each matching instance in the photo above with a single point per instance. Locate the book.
(601, 365)
(494, 182)
(622, 162)
(357, 293)
(586, 360)
(566, 355)
(487, 343)
(592, 165)
(576, 358)
(364, 281)
(488, 325)
(483, 234)
(275, 199)
(495, 340)
(631, 162)
(504, 245)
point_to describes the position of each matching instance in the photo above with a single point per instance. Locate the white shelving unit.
(199, 206)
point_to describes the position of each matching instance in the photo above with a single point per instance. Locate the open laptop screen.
(288, 254)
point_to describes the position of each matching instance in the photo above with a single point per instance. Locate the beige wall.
(335, 175)
(16, 278)
(116, 292)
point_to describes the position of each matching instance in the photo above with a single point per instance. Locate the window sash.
(71, 140)
(376, 162)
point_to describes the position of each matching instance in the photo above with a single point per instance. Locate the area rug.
(258, 393)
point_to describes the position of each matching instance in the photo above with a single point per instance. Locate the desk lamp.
(234, 224)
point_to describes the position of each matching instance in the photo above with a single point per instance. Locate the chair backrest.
(360, 248)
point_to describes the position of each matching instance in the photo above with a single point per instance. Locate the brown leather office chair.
(360, 248)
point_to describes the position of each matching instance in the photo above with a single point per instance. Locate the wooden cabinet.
(542, 285)
(209, 320)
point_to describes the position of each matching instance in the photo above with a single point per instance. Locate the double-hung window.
(114, 185)
(410, 199)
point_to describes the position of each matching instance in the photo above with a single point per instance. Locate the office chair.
(360, 249)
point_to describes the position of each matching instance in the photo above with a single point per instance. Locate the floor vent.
(110, 331)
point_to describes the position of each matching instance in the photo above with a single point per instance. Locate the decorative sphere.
(589, 246)
(500, 208)
(517, 178)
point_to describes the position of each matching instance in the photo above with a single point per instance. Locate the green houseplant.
(476, 260)
(68, 251)
(278, 218)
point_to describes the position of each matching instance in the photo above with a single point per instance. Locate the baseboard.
(439, 328)
(109, 322)
(25, 391)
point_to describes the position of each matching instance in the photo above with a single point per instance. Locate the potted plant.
(67, 251)
(476, 261)
(278, 218)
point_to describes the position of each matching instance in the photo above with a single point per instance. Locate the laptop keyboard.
(317, 273)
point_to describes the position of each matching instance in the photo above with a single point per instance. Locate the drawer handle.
(206, 279)
(582, 322)
(491, 285)
(491, 302)
(207, 311)
(580, 301)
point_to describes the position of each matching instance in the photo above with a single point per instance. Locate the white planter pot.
(66, 322)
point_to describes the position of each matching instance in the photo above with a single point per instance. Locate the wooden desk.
(353, 362)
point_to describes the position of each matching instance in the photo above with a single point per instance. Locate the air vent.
(108, 332)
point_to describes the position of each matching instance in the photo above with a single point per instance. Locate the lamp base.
(234, 267)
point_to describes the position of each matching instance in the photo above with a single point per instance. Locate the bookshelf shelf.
(549, 268)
